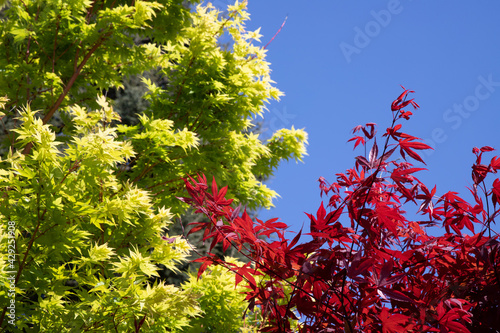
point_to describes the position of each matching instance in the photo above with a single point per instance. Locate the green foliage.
(92, 200)
(76, 222)
(221, 301)
(55, 53)
(215, 92)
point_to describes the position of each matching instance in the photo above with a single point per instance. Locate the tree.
(86, 202)
(370, 267)
(84, 243)
(210, 91)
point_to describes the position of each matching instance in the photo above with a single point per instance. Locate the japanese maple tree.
(370, 267)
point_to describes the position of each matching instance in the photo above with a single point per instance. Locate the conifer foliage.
(368, 267)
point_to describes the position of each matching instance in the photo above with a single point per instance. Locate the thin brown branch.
(145, 171)
(69, 85)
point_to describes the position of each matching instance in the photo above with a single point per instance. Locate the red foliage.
(368, 268)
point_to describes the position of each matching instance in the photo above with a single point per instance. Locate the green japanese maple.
(92, 199)
(86, 242)
(55, 55)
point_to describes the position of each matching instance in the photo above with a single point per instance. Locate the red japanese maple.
(368, 268)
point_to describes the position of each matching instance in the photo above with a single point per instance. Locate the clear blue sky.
(340, 64)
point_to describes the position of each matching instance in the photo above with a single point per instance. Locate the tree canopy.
(369, 265)
(86, 202)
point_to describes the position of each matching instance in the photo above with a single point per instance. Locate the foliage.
(92, 199)
(73, 50)
(222, 303)
(214, 92)
(87, 242)
(89, 245)
(58, 53)
(182, 227)
(369, 267)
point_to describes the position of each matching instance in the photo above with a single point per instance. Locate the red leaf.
(359, 139)
(357, 129)
(402, 175)
(373, 152)
(385, 272)
(318, 222)
(495, 191)
(392, 322)
(409, 143)
(214, 187)
(456, 327)
(295, 239)
(406, 146)
(487, 148)
(393, 131)
(222, 193)
(396, 295)
(372, 130)
(495, 163)
(479, 172)
(334, 216)
(387, 154)
(246, 272)
(359, 266)
(363, 161)
(206, 261)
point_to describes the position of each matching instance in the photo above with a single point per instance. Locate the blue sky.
(341, 63)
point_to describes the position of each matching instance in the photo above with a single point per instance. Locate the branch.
(68, 87)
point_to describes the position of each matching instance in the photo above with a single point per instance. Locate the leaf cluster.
(86, 242)
(369, 267)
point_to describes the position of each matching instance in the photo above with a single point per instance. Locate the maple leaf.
(479, 172)
(393, 132)
(392, 322)
(406, 146)
(372, 132)
(495, 191)
(495, 164)
(359, 139)
(373, 153)
(427, 197)
(399, 103)
(403, 175)
(487, 148)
